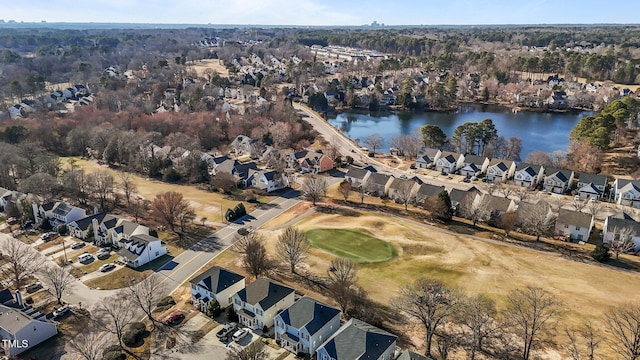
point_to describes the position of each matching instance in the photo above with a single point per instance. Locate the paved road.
(185, 265)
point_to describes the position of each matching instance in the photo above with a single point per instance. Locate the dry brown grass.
(213, 64)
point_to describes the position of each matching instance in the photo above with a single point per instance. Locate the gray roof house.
(591, 185)
(574, 225)
(449, 162)
(627, 192)
(356, 175)
(500, 169)
(428, 158)
(215, 283)
(474, 165)
(528, 175)
(305, 325)
(378, 184)
(557, 180)
(458, 196)
(410, 355)
(258, 303)
(428, 190)
(357, 340)
(614, 227)
(26, 326)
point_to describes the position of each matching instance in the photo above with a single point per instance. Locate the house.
(449, 162)
(103, 230)
(267, 180)
(528, 175)
(238, 169)
(216, 283)
(140, 249)
(82, 228)
(557, 180)
(22, 329)
(309, 162)
(426, 191)
(500, 170)
(474, 165)
(428, 158)
(499, 205)
(6, 196)
(615, 226)
(591, 186)
(378, 184)
(356, 175)
(125, 230)
(58, 213)
(458, 196)
(401, 188)
(558, 100)
(214, 161)
(627, 192)
(357, 340)
(258, 303)
(305, 325)
(573, 225)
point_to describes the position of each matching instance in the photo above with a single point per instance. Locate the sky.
(324, 12)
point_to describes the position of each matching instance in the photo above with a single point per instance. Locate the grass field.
(351, 244)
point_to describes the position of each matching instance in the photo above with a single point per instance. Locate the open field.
(207, 204)
(351, 244)
(213, 64)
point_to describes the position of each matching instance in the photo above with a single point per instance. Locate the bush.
(231, 314)
(171, 175)
(165, 303)
(237, 212)
(213, 308)
(113, 352)
(134, 334)
(265, 329)
(601, 254)
(28, 300)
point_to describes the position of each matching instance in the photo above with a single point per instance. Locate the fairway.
(351, 244)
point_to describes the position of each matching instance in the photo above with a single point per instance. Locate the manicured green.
(351, 244)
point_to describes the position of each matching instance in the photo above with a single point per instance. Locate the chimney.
(19, 299)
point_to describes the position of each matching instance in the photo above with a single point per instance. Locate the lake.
(539, 131)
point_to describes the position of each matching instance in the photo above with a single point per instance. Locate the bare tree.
(404, 191)
(507, 222)
(522, 193)
(114, 313)
(623, 323)
(255, 258)
(477, 315)
(345, 189)
(314, 188)
(292, 247)
(505, 189)
(373, 141)
(362, 190)
(429, 302)
(58, 279)
(583, 342)
(100, 184)
(474, 207)
(532, 311)
(89, 344)
(594, 208)
(446, 341)
(138, 207)
(127, 184)
(622, 241)
(342, 278)
(538, 220)
(21, 260)
(145, 295)
(171, 207)
(255, 351)
(579, 204)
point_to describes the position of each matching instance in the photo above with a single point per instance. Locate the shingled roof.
(217, 279)
(265, 292)
(357, 340)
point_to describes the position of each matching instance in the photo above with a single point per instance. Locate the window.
(577, 227)
(238, 302)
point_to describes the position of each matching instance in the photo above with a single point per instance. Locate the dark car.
(227, 330)
(174, 318)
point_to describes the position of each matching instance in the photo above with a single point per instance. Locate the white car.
(240, 334)
(106, 267)
(77, 245)
(61, 311)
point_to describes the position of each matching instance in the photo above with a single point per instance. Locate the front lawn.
(125, 276)
(351, 244)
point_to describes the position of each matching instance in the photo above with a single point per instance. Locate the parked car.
(103, 253)
(33, 287)
(49, 236)
(86, 257)
(61, 311)
(77, 245)
(12, 220)
(174, 318)
(240, 334)
(27, 225)
(106, 267)
(227, 330)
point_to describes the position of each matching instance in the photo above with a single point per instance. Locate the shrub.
(231, 314)
(213, 308)
(134, 334)
(113, 352)
(165, 303)
(171, 175)
(28, 300)
(601, 254)
(265, 329)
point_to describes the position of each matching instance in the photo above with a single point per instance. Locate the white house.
(627, 192)
(357, 340)
(103, 230)
(258, 303)
(474, 165)
(305, 325)
(449, 162)
(140, 249)
(378, 184)
(82, 228)
(399, 188)
(6, 196)
(614, 227)
(528, 175)
(124, 230)
(267, 180)
(591, 186)
(428, 158)
(557, 180)
(573, 225)
(356, 176)
(215, 283)
(500, 170)
(58, 213)
(426, 191)
(24, 329)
